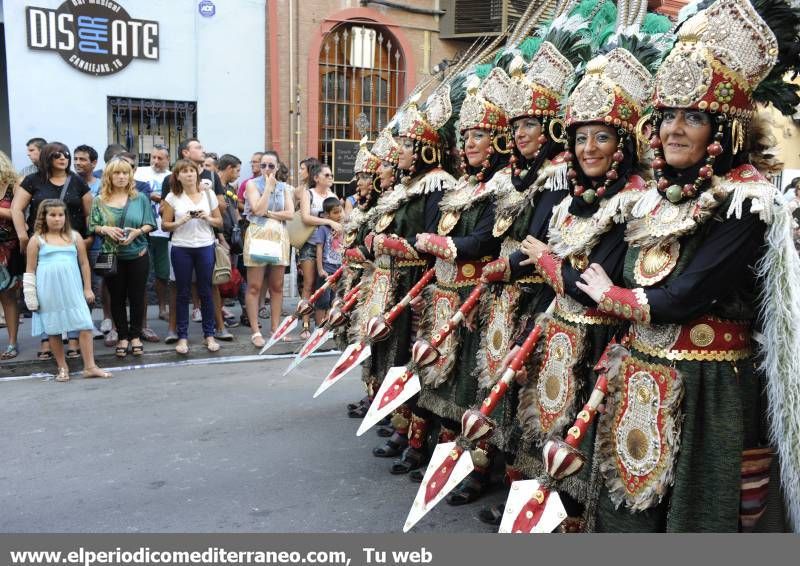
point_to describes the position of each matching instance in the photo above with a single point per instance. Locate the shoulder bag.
(106, 264)
(222, 260)
(299, 231)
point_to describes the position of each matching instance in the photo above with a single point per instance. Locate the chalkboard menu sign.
(344, 160)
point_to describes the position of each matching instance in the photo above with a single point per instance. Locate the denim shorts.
(307, 253)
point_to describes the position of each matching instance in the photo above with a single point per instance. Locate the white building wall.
(218, 62)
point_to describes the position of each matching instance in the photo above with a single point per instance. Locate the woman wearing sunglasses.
(320, 181)
(266, 198)
(52, 181)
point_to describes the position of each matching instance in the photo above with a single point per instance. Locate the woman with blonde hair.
(11, 266)
(123, 217)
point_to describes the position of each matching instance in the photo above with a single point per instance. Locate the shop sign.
(97, 37)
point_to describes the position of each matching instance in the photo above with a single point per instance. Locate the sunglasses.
(60, 154)
(268, 166)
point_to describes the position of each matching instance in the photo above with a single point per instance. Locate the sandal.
(183, 347)
(393, 447)
(73, 353)
(493, 514)
(62, 375)
(411, 460)
(470, 489)
(121, 351)
(306, 333)
(212, 345)
(10, 353)
(94, 371)
(44, 355)
(257, 340)
(137, 349)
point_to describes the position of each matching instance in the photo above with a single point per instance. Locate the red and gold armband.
(439, 246)
(497, 271)
(354, 255)
(630, 304)
(549, 266)
(394, 246)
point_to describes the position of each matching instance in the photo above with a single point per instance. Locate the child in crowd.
(57, 286)
(330, 248)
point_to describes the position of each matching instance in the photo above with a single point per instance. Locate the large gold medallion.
(377, 298)
(639, 435)
(655, 263)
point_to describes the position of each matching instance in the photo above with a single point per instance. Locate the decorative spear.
(378, 328)
(339, 315)
(447, 467)
(534, 505)
(304, 307)
(402, 382)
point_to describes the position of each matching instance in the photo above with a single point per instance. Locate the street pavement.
(27, 364)
(226, 447)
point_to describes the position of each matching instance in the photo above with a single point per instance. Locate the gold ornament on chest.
(655, 263)
(501, 224)
(448, 222)
(384, 221)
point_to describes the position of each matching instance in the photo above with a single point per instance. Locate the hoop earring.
(561, 138)
(428, 159)
(376, 185)
(497, 148)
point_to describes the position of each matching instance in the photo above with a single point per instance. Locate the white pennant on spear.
(402, 382)
(378, 328)
(534, 506)
(304, 307)
(447, 466)
(338, 316)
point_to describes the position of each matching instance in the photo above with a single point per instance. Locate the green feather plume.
(656, 24)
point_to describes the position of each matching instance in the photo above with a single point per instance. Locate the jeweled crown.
(721, 56)
(615, 90)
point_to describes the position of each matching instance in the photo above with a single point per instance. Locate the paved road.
(212, 448)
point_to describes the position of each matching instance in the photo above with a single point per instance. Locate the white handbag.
(268, 251)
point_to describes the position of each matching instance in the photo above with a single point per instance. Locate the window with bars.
(362, 80)
(141, 124)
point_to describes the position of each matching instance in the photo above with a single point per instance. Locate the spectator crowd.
(74, 237)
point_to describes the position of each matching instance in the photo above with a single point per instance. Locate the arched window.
(362, 77)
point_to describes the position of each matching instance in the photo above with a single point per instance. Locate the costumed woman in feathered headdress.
(409, 209)
(711, 292)
(587, 227)
(366, 189)
(462, 245)
(532, 99)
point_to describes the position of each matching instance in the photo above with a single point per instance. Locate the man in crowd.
(255, 170)
(154, 176)
(229, 167)
(34, 145)
(85, 161)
